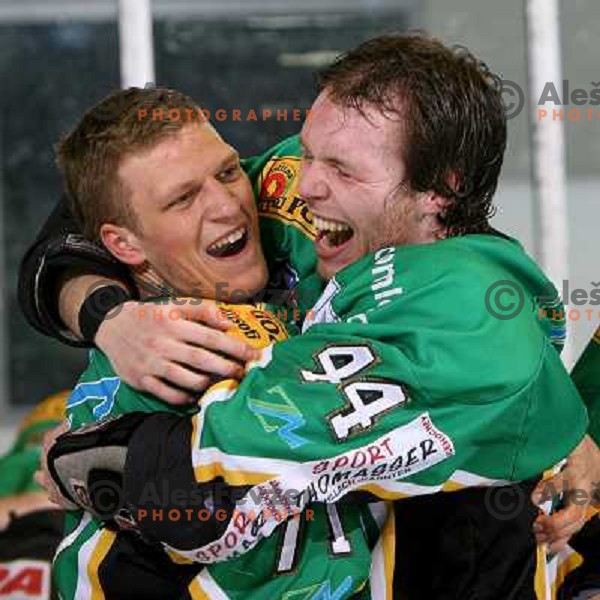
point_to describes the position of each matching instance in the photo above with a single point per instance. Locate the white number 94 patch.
(366, 399)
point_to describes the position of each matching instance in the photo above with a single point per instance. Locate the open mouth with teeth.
(334, 233)
(230, 244)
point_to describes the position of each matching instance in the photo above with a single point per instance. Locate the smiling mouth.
(335, 233)
(229, 245)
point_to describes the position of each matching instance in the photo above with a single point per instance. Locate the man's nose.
(224, 204)
(312, 185)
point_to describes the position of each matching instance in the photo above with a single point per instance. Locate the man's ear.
(433, 204)
(123, 244)
(431, 208)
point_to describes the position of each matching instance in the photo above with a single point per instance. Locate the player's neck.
(150, 284)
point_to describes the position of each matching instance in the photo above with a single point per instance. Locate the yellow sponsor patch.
(256, 326)
(278, 194)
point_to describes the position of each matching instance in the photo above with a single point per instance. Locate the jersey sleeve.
(396, 402)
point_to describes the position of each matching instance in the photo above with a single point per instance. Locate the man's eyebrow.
(336, 162)
(232, 156)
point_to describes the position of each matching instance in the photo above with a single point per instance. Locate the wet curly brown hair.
(452, 114)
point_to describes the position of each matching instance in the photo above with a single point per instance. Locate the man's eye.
(184, 200)
(342, 173)
(229, 174)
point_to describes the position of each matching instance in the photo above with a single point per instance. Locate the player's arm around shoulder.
(506, 348)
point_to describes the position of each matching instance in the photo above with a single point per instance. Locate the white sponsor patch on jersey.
(404, 451)
(323, 312)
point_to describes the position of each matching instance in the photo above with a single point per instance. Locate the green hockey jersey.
(404, 382)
